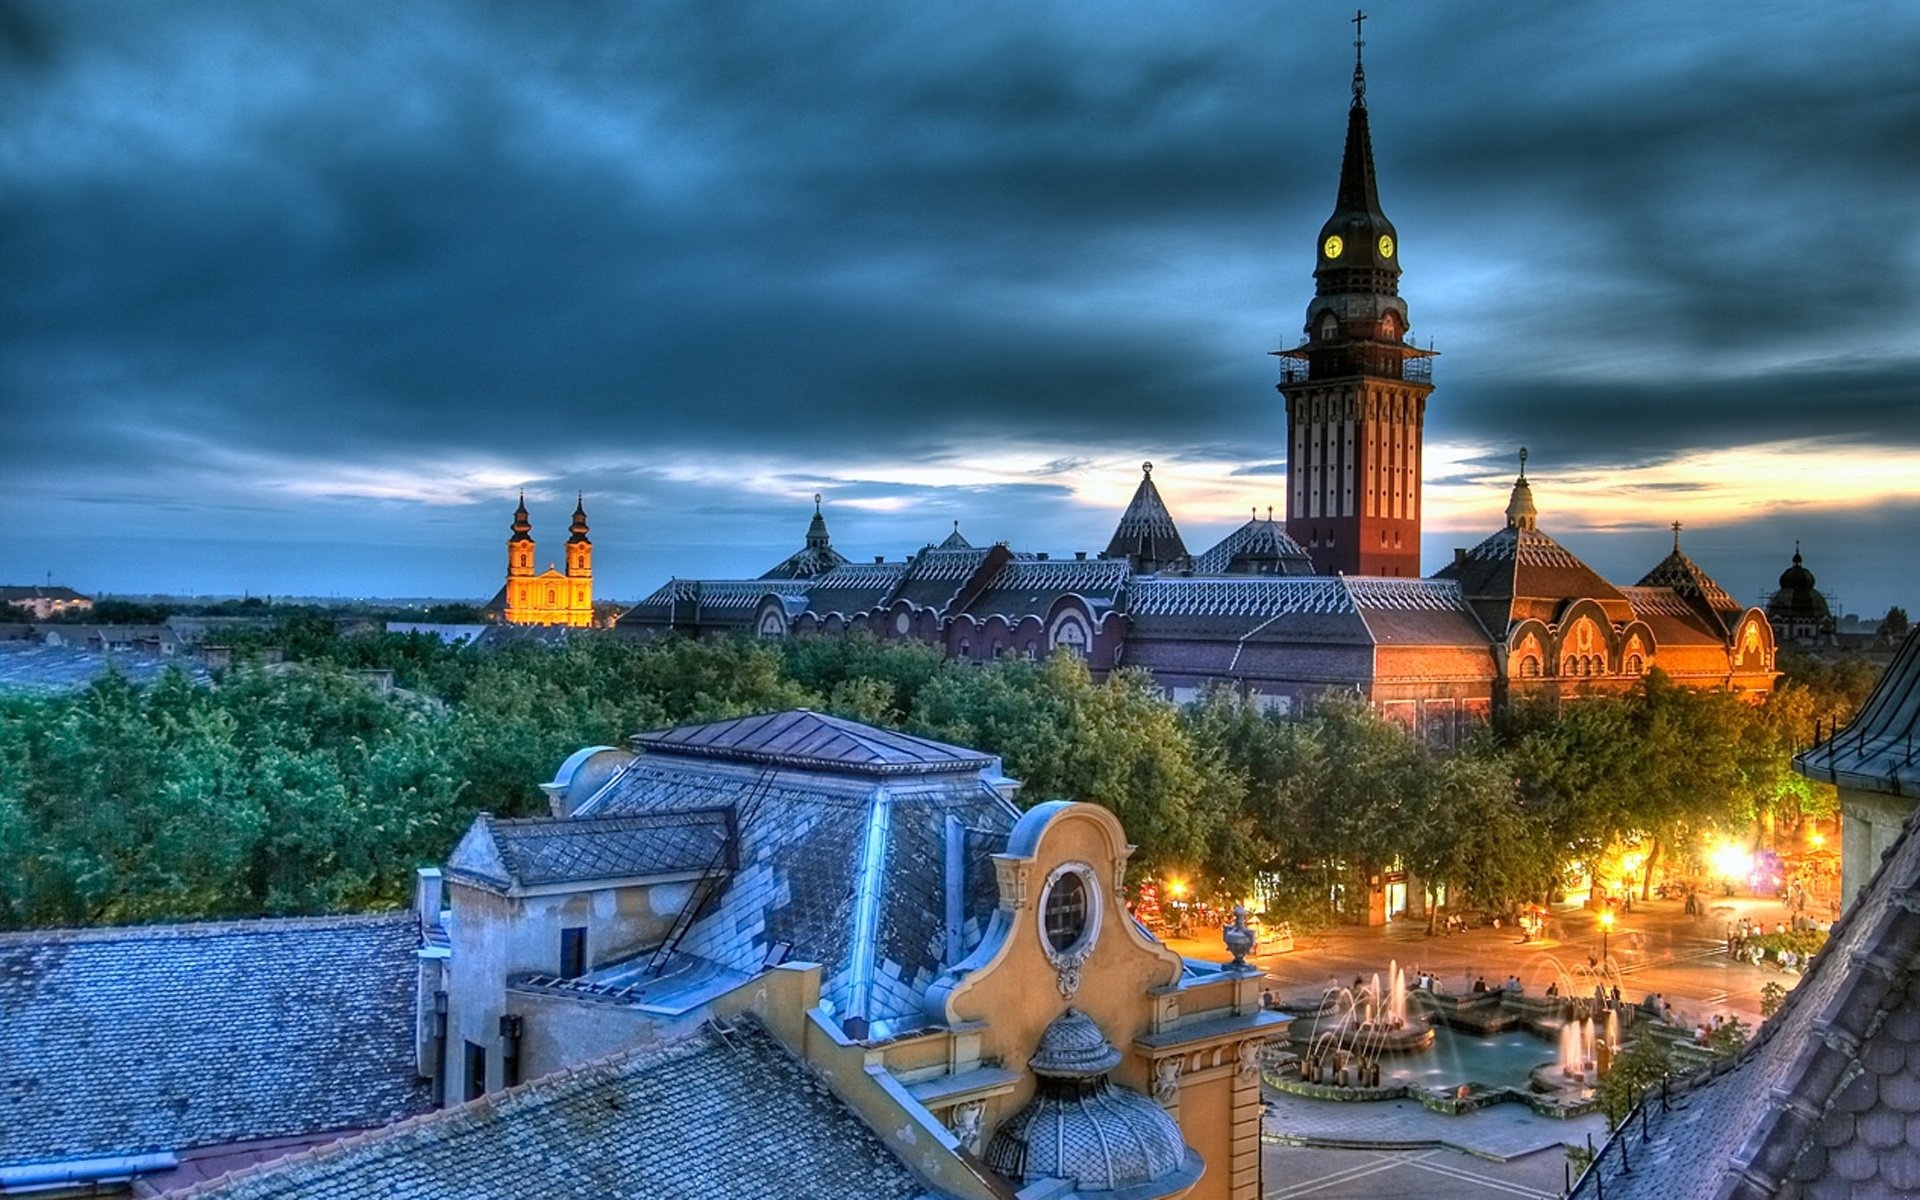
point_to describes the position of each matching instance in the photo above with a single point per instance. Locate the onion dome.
(1798, 606)
(1796, 577)
(579, 526)
(1081, 1128)
(522, 527)
(1520, 510)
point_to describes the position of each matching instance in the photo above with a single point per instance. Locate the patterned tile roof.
(1657, 601)
(505, 854)
(1146, 533)
(803, 738)
(1522, 572)
(167, 1037)
(1685, 577)
(1027, 586)
(1876, 751)
(718, 1114)
(1258, 547)
(1822, 1101)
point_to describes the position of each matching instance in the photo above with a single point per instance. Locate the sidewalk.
(1503, 1131)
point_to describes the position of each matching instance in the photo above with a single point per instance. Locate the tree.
(1647, 1060)
(1893, 626)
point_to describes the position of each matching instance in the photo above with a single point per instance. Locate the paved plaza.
(1656, 948)
(1331, 1150)
(1429, 1174)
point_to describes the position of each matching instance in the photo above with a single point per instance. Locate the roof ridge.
(214, 925)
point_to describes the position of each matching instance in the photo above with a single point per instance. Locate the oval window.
(1066, 912)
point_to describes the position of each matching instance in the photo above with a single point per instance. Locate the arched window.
(552, 599)
(1634, 666)
(1571, 666)
(1070, 635)
(1530, 667)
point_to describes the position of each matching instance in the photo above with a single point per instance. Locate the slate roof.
(1822, 1102)
(719, 1114)
(167, 1037)
(1684, 576)
(1027, 586)
(803, 738)
(839, 863)
(1521, 572)
(1256, 548)
(504, 854)
(1876, 750)
(955, 540)
(1146, 534)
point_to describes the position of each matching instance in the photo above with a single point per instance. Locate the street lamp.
(1606, 927)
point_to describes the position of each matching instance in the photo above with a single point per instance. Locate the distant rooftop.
(802, 738)
(542, 850)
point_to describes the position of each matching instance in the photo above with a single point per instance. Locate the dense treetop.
(297, 788)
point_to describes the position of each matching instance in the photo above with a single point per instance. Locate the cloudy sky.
(294, 297)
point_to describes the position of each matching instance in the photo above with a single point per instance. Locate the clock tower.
(1356, 386)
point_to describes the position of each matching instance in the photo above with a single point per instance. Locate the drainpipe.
(510, 1026)
(440, 1049)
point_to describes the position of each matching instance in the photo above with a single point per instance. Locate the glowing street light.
(1606, 927)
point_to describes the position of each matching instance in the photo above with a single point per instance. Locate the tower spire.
(1676, 537)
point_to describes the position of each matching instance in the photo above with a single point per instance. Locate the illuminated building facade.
(553, 596)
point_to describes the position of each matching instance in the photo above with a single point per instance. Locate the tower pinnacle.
(1359, 68)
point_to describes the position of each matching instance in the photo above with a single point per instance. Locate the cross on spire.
(1676, 537)
(1359, 71)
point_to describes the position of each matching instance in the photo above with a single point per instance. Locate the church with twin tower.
(553, 596)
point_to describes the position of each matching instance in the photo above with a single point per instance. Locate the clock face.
(1386, 245)
(1333, 246)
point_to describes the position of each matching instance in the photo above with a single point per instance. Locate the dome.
(1073, 1048)
(1100, 1137)
(1796, 577)
(1081, 1128)
(1797, 602)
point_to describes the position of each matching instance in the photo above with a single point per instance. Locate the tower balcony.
(1380, 360)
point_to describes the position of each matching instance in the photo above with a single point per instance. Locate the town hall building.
(1329, 599)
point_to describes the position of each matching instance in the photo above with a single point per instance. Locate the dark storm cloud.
(588, 244)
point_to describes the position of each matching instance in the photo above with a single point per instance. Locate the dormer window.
(1329, 327)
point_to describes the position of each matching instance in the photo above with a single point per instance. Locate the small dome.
(1073, 1048)
(1796, 577)
(1081, 1128)
(1099, 1137)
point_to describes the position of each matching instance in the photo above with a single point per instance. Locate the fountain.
(1458, 1052)
(1353, 1027)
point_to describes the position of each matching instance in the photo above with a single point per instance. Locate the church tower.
(579, 545)
(520, 545)
(1356, 386)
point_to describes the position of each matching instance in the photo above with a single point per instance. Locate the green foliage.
(297, 788)
(1730, 1038)
(1646, 1061)
(1893, 626)
(1772, 996)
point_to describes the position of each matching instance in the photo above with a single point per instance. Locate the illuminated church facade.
(552, 596)
(1331, 599)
